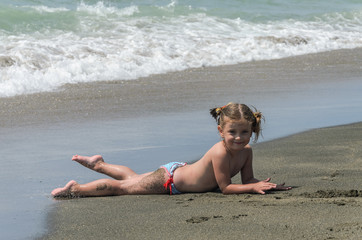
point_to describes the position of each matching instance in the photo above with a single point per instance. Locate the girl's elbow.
(227, 188)
(225, 191)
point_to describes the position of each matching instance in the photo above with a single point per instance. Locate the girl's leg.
(97, 164)
(149, 183)
(102, 187)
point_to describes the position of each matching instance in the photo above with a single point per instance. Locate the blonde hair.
(236, 112)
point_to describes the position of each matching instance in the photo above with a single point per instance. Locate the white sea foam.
(101, 10)
(109, 43)
(42, 8)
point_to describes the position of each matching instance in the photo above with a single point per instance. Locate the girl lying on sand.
(233, 154)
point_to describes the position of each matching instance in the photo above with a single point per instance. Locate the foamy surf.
(98, 42)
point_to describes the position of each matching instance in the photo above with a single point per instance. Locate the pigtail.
(257, 124)
(216, 112)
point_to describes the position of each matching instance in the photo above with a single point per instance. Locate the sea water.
(45, 44)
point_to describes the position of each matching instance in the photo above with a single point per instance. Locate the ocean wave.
(103, 42)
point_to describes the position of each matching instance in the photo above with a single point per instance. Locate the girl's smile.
(236, 134)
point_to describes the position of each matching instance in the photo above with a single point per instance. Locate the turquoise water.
(46, 44)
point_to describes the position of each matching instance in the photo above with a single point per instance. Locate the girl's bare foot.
(66, 191)
(93, 162)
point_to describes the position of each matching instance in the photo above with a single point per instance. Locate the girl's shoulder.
(219, 145)
(219, 150)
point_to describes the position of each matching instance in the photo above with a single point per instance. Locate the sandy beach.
(324, 204)
(142, 123)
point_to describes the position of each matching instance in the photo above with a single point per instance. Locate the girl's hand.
(265, 185)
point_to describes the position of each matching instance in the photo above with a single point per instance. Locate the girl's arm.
(221, 167)
(247, 173)
(259, 187)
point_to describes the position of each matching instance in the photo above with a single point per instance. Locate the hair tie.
(257, 115)
(219, 109)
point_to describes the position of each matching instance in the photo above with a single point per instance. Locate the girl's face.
(236, 134)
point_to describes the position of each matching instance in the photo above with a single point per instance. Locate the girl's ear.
(220, 131)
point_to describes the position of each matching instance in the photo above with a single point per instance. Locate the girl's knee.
(114, 187)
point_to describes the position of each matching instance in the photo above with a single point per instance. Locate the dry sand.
(324, 166)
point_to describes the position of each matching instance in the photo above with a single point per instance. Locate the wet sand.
(325, 203)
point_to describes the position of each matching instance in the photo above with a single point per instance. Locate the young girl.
(233, 154)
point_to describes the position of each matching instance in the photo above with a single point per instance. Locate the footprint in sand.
(240, 215)
(334, 193)
(197, 219)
